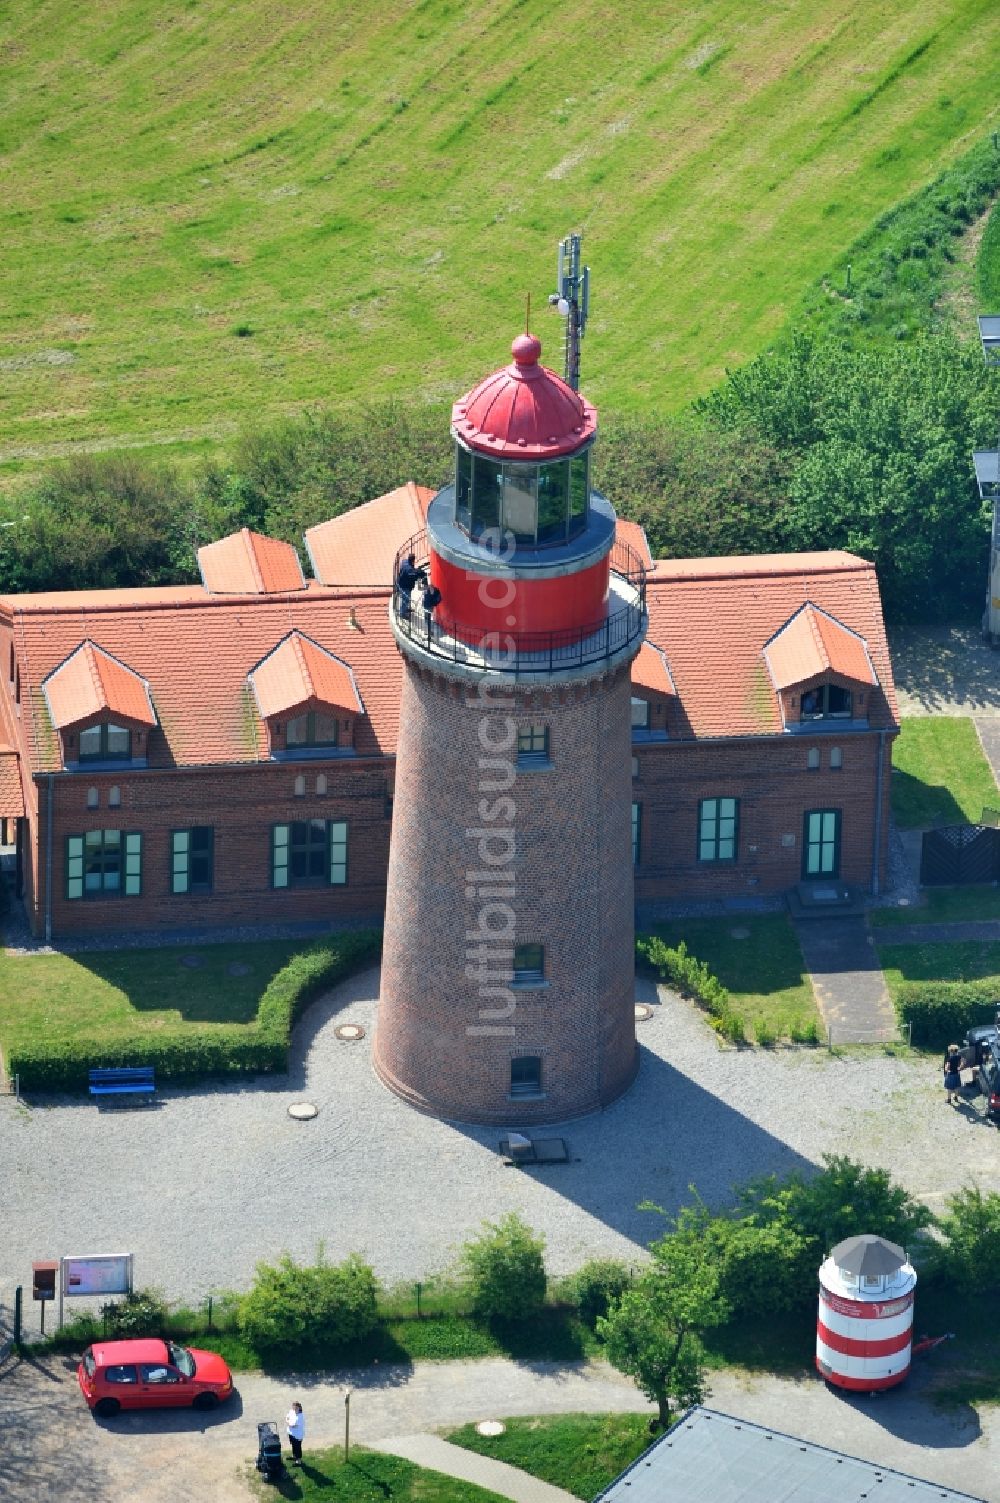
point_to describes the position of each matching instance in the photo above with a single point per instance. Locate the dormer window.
(826, 702)
(315, 728)
(106, 742)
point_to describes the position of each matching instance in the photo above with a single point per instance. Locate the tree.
(506, 1271)
(971, 1253)
(653, 1332)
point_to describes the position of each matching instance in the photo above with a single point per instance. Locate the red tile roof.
(197, 651)
(651, 671)
(246, 563)
(359, 547)
(11, 797)
(813, 643)
(713, 617)
(91, 682)
(300, 674)
(711, 620)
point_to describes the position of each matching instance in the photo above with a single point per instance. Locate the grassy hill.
(212, 212)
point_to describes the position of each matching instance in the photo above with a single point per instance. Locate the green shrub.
(939, 1012)
(195, 1054)
(970, 1254)
(506, 1271)
(764, 1034)
(594, 1286)
(141, 1313)
(690, 976)
(291, 1306)
(805, 1033)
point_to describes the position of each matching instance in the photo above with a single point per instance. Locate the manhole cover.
(642, 1012)
(237, 969)
(192, 961)
(303, 1111)
(739, 933)
(349, 1032)
(491, 1427)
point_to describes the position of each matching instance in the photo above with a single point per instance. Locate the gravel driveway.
(54, 1452)
(211, 1180)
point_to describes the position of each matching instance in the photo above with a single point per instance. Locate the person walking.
(952, 1072)
(295, 1422)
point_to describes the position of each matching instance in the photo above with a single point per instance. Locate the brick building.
(188, 756)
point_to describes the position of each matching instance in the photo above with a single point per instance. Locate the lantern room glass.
(541, 504)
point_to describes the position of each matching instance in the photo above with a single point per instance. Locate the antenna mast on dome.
(572, 300)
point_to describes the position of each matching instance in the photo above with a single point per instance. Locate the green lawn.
(971, 961)
(939, 773)
(213, 214)
(764, 971)
(579, 1452)
(944, 905)
(369, 1477)
(131, 994)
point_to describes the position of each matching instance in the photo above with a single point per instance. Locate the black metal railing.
(522, 653)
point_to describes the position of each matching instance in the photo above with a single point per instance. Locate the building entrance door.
(821, 844)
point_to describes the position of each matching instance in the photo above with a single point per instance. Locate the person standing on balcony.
(431, 600)
(407, 579)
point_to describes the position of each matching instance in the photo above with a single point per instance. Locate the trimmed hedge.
(196, 1053)
(692, 978)
(939, 1012)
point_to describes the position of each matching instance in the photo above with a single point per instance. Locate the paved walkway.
(945, 670)
(843, 965)
(497, 1476)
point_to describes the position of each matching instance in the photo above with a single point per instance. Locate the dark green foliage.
(596, 1285)
(988, 266)
(939, 1012)
(692, 978)
(506, 1271)
(290, 1306)
(98, 521)
(970, 1256)
(62, 1065)
(141, 1313)
(879, 442)
(843, 1200)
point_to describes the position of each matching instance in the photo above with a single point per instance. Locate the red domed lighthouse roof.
(524, 411)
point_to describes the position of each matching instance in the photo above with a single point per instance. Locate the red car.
(151, 1374)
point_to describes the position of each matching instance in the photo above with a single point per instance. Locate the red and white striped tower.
(864, 1331)
(508, 963)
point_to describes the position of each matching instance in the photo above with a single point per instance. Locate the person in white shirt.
(295, 1420)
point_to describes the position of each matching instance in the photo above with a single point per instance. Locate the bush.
(141, 1313)
(291, 1306)
(195, 1054)
(805, 1033)
(939, 1012)
(970, 1257)
(764, 1034)
(692, 978)
(505, 1270)
(596, 1285)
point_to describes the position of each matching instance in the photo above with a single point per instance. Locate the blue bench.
(126, 1083)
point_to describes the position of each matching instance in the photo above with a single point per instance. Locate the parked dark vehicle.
(981, 1054)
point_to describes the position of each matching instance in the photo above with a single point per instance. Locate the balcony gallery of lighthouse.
(508, 969)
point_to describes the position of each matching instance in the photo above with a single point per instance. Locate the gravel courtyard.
(212, 1179)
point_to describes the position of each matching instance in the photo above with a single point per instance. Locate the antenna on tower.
(572, 301)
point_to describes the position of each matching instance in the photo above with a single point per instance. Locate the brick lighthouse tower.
(507, 977)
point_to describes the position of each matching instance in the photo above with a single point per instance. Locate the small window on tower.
(526, 1075)
(533, 746)
(529, 965)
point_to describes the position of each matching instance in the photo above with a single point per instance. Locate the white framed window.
(812, 760)
(718, 829)
(93, 798)
(640, 714)
(321, 784)
(300, 786)
(836, 757)
(114, 796)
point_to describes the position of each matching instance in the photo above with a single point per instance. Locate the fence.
(960, 854)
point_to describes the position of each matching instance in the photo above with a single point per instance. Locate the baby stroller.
(269, 1462)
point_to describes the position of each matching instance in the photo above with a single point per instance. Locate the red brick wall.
(572, 892)
(775, 787)
(241, 804)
